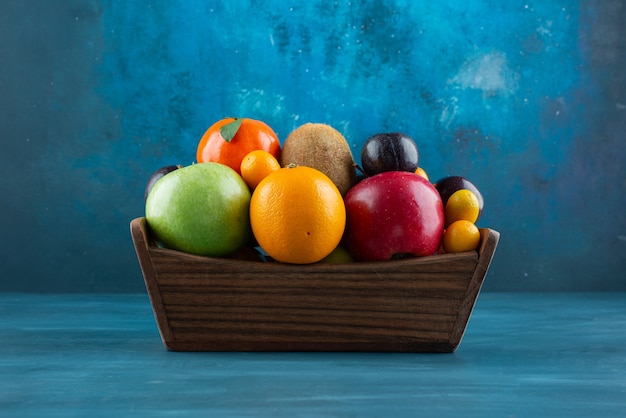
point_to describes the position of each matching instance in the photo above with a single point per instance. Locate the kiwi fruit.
(322, 147)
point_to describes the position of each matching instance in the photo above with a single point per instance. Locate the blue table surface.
(523, 355)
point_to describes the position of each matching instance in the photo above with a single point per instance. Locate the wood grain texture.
(218, 304)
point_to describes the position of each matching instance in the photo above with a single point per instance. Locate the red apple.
(393, 214)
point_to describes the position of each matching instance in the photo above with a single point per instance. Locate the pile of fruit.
(308, 201)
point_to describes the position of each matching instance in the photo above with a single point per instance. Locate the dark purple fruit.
(389, 152)
(448, 185)
(156, 176)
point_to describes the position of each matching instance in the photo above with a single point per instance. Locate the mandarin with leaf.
(229, 140)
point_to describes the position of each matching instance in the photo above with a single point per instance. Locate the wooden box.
(220, 304)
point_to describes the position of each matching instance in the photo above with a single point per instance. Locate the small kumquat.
(462, 205)
(421, 172)
(257, 165)
(461, 236)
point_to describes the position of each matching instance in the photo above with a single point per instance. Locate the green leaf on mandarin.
(229, 130)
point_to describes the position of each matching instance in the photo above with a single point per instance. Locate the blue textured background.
(526, 99)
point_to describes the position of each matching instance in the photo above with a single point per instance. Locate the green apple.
(200, 209)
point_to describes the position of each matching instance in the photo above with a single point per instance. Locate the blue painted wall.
(526, 99)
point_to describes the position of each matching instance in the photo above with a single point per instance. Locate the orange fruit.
(421, 172)
(257, 165)
(462, 205)
(297, 215)
(461, 236)
(229, 140)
